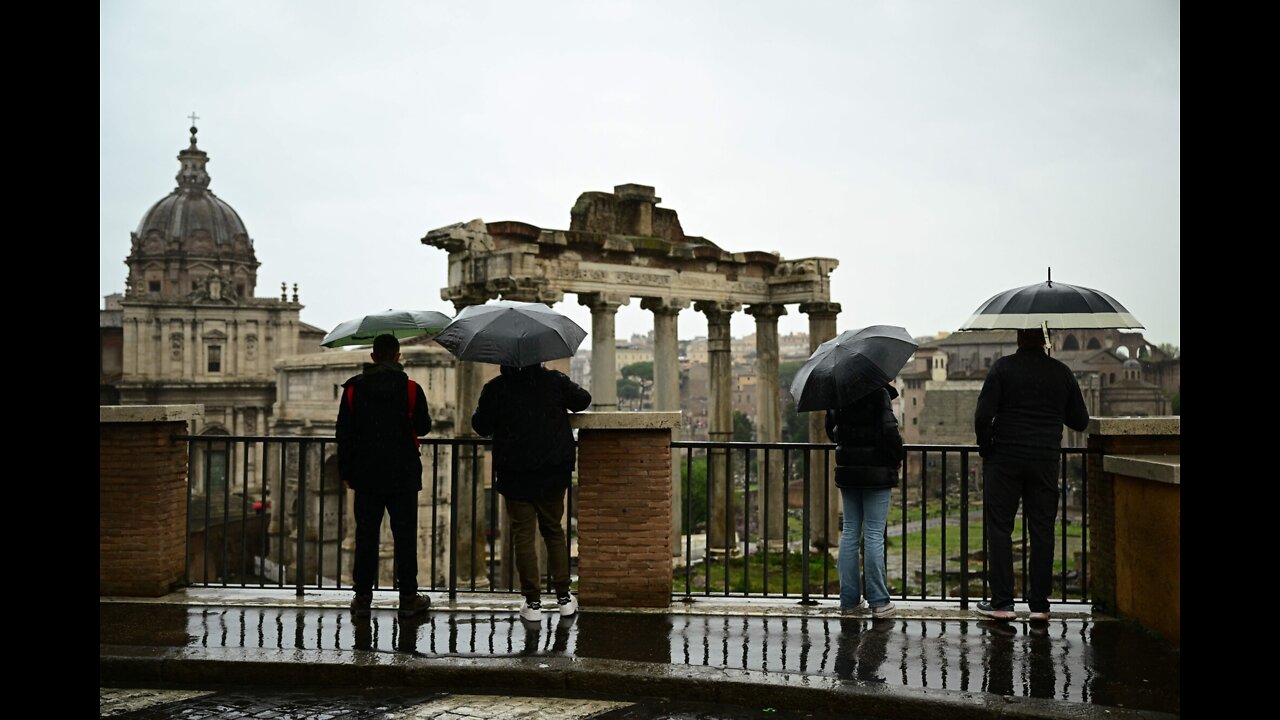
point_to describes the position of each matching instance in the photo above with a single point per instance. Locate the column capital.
(716, 309)
(664, 306)
(463, 300)
(765, 312)
(607, 302)
(820, 308)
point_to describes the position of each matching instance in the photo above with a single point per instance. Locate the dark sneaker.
(568, 604)
(531, 610)
(413, 605)
(1001, 614)
(362, 605)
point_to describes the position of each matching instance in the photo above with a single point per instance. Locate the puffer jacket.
(868, 446)
(526, 411)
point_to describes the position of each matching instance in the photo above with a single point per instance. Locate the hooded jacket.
(868, 445)
(377, 437)
(525, 411)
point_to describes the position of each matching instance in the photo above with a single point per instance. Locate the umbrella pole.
(1048, 346)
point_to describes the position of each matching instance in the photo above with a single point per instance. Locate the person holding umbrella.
(525, 410)
(1025, 400)
(850, 375)
(381, 415)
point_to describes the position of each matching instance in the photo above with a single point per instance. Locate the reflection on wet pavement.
(1102, 662)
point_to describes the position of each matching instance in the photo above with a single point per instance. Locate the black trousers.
(1007, 481)
(403, 509)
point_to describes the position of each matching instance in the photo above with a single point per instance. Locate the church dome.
(190, 236)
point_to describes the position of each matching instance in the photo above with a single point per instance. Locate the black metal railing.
(288, 495)
(727, 489)
(755, 520)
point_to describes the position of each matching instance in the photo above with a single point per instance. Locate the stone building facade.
(191, 330)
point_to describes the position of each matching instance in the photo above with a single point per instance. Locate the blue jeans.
(866, 512)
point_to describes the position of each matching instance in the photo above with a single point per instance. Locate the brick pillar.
(1117, 436)
(142, 498)
(624, 508)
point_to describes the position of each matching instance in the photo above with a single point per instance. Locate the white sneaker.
(568, 604)
(531, 611)
(884, 611)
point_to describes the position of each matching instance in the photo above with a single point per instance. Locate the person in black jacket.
(1025, 400)
(525, 410)
(869, 452)
(380, 417)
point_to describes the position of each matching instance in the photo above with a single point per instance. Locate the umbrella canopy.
(850, 366)
(1051, 305)
(401, 323)
(511, 333)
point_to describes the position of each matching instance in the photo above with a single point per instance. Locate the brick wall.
(624, 517)
(142, 498)
(1102, 507)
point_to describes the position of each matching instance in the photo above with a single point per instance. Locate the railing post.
(964, 529)
(804, 535)
(453, 520)
(301, 550)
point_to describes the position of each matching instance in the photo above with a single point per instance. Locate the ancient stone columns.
(666, 380)
(721, 534)
(470, 538)
(773, 517)
(604, 364)
(822, 327)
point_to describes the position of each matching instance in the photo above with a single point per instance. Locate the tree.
(1169, 349)
(628, 389)
(743, 429)
(639, 371)
(795, 425)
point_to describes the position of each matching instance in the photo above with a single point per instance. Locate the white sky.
(942, 151)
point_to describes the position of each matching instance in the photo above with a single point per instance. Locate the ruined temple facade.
(621, 246)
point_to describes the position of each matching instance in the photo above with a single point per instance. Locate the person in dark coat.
(380, 417)
(869, 452)
(525, 410)
(1025, 400)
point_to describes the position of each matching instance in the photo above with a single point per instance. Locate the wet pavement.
(1065, 667)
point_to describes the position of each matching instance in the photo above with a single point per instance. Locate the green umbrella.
(400, 323)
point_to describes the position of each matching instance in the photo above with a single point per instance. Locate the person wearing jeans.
(869, 452)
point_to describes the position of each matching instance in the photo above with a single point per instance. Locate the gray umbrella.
(504, 332)
(850, 366)
(401, 323)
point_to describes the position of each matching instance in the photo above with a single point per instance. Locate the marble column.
(721, 535)
(666, 380)
(470, 382)
(604, 363)
(771, 501)
(824, 497)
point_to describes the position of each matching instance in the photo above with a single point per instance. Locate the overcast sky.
(941, 151)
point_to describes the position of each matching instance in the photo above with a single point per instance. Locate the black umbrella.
(850, 366)
(1051, 305)
(511, 333)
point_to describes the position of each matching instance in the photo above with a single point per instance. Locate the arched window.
(1094, 344)
(1071, 343)
(1113, 378)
